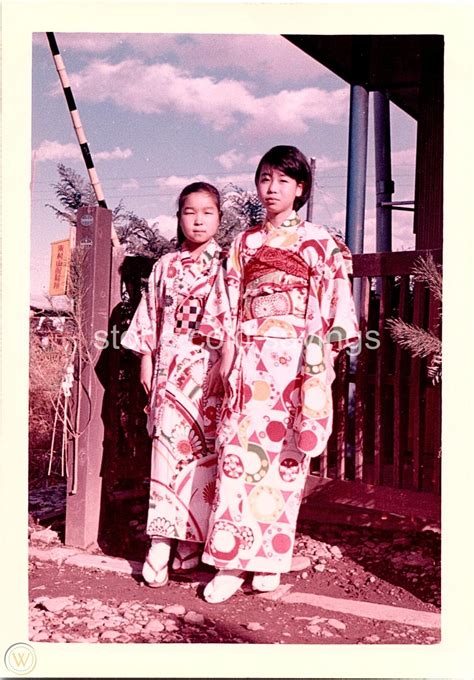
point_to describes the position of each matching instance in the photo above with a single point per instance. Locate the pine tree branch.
(420, 342)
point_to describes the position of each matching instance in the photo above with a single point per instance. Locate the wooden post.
(84, 481)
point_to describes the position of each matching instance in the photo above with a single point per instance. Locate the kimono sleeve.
(331, 325)
(141, 336)
(338, 316)
(221, 314)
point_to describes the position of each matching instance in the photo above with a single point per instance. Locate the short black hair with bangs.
(290, 161)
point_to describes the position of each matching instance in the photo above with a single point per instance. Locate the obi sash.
(287, 297)
(267, 259)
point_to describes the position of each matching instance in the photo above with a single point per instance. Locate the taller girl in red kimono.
(175, 368)
(283, 309)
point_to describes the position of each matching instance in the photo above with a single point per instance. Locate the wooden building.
(385, 452)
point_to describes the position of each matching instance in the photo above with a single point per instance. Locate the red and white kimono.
(181, 417)
(285, 298)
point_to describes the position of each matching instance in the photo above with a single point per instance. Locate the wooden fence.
(387, 429)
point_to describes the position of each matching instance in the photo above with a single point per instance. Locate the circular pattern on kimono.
(314, 353)
(197, 371)
(282, 238)
(266, 503)
(247, 393)
(293, 503)
(260, 390)
(277, 541)
(253, 240)
(289, 469)
(225, 540)
(168, 301)
(256, 463)
(336, 334)
(273, 304)
(315, 402)
(232, 466)
(242, 431)
(314, 358)
(247, 538)
(281, 543)
(270, 324)
(307, 441)
(276, 431)
(291, 394)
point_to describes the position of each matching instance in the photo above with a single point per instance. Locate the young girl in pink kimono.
(283, 309)
(175, 367)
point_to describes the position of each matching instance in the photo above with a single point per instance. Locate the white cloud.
(166, 225)
(82, 42)
(230, 159)
(404, 157)
(116, 154)
(130, 184)
(134, 85)
(55, 151)
(403, 237)
(50, 150)
(273, 58)
(254, 160)
(245, 180)
(179, 182)
(324, 163)
(292, 111)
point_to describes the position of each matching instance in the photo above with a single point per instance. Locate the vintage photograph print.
(235, 358)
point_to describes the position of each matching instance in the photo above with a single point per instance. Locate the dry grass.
(46, 370)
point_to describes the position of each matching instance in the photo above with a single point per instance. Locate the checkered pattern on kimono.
(189, 315)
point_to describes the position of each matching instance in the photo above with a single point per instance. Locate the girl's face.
(277, 191)
(199, 218)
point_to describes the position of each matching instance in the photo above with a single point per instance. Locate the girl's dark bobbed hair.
(193, 188)
(289, 160)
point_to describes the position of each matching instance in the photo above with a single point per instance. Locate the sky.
(162, 110)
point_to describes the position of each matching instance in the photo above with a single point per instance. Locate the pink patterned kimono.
(285, 299)
(181, 417)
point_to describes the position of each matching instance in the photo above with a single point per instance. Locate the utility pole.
(310, 208)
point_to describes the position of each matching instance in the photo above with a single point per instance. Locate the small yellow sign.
(60, 254)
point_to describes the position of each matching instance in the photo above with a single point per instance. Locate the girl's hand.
(214, 381)
(227, 361)
(146, 372)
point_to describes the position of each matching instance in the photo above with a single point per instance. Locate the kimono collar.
(204, 258)
(292, 220)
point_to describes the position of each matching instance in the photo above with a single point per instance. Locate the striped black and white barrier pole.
(80, 134)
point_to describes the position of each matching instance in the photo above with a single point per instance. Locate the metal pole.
(356, 179)
(384, 185)
(79, 130)
(357, 168)
(310, 209)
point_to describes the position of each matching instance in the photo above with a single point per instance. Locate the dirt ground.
(394, 570)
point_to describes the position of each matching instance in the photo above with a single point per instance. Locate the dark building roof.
(409, 70)
(394, 64)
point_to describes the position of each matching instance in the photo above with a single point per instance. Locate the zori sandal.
(155, 577)
(265, 583)
(155, 567)
(186, 560)
(224, 584)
